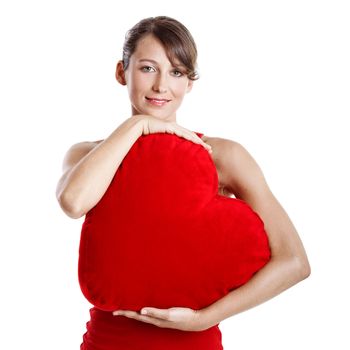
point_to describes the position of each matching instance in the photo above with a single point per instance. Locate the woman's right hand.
(153, 125)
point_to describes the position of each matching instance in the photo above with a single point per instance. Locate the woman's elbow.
(298, 266)
(302, 267)
(69, 208)
(305, 268)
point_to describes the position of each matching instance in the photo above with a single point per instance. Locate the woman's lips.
(156, 102)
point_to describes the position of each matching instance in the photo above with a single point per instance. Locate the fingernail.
(144, 312)
(116, 313)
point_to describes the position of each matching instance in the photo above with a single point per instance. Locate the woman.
(158, 68)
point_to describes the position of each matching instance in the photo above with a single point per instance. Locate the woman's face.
(151, 75)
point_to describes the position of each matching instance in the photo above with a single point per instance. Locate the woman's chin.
(160, 114)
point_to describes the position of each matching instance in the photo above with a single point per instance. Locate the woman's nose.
(160, 84)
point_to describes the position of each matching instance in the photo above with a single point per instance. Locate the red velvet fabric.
(162, 236)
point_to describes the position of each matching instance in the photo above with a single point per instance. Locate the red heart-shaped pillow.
(162, 236)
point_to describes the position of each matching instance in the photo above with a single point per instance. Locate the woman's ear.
(120, 73)
(189, 85)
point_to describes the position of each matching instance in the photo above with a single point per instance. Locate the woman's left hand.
(181, 318)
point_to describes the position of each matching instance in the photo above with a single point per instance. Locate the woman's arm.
(289, 263)
(89, 169)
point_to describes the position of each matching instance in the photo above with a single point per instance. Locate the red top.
(108, 332)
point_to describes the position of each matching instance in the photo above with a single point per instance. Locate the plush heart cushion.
(162, 236)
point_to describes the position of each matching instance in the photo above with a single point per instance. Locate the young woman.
(159, 68)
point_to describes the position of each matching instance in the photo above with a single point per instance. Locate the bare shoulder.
(223, 149)
(240, 173)
(220, 144)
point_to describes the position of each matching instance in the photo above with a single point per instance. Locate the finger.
(199, 140)
(155, 321)
(181, 131)
(151, 313)
(162, 314)
(185, 133)
(138, 317)
(208, 148)
(192, 136)
(127, 313)
(144, 318)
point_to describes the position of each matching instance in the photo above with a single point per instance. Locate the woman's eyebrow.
(148, 60)
(155, 62)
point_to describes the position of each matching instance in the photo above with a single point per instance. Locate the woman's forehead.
(154, 55)
(149, 47)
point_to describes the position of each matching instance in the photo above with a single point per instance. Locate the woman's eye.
(146, 68)
(177, 71)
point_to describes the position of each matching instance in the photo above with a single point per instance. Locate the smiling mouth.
(157, 99)
(157, 102)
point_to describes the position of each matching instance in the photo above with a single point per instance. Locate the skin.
(239, 176)
(153, 79)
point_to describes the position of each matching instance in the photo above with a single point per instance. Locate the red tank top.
(104, 331)
(108, 332)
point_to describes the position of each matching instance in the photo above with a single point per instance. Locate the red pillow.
(162, 236)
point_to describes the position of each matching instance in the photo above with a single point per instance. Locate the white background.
(274, 76)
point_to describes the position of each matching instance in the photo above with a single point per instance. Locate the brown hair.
(175, 37)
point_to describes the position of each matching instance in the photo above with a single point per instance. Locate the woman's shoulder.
(232, 160)
(228, 153)
(221, 146)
